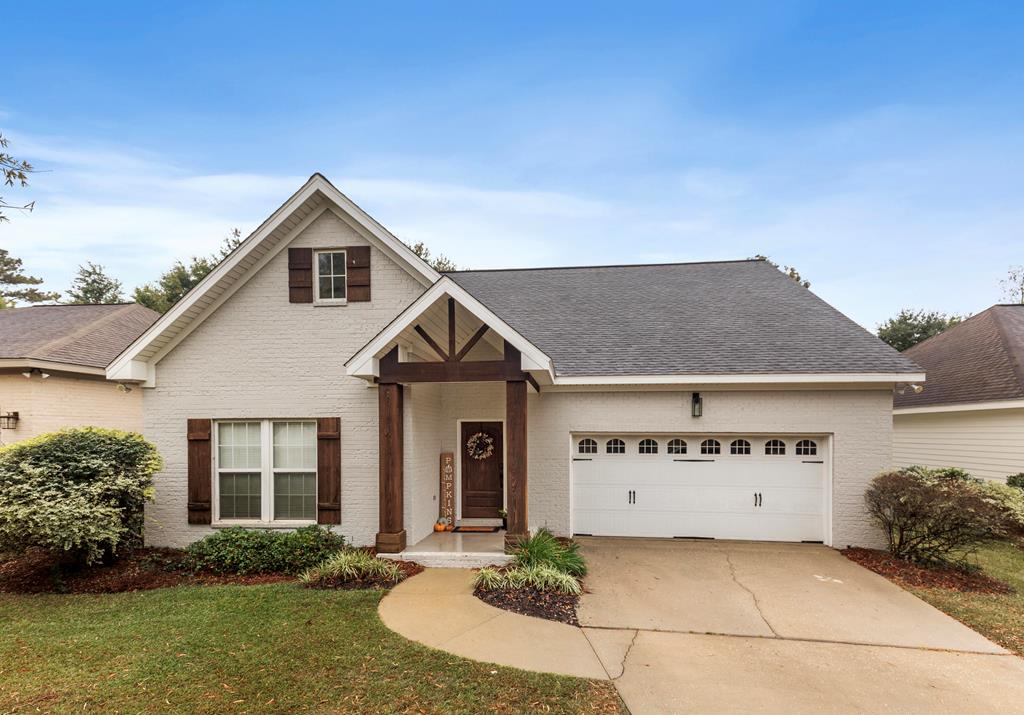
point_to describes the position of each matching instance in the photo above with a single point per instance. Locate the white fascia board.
(416, 265)
(56, 366)
(742, 379)
(364, 363)
(961, 407)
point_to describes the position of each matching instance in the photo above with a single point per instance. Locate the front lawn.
(998, 617)
(249, 649)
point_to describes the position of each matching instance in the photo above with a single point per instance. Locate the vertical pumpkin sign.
(447, 501)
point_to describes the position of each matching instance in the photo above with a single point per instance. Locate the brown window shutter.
(357, 261)
(200, 472)
(300, 275)
(328, 470)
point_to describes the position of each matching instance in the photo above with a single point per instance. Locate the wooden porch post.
(391, 534)
(515, 436)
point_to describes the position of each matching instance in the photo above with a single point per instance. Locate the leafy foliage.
(1013, 285)
(543, 577)
(544, 549)
(13, 281)
(911, 327)
(792, 273)
(441, 263)
(78, 493)
(939, 517)
(15, 172)
(92, 286)
(352, 565)
(181, 278)
(1016, 480)
(241, 551)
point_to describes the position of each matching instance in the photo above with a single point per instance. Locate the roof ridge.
(1014, 351)
(47, 348)
(610, 265)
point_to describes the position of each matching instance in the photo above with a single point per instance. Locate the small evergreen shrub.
(1016, 480)
(544, 549)
(237, 550)
(352, 565)
(78, 493)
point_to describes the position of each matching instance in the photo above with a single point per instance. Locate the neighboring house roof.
(978, 360)
(85, 336)
(716, 318)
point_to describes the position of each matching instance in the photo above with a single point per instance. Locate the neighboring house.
(321, 371)
(53, 360)
(971, 412)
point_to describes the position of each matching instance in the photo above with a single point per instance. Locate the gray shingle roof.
(674, 319)
(87, 335)
(978, 360)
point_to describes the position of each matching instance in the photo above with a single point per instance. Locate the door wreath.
(480, 446)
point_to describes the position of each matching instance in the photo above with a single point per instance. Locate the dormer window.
(331, 279)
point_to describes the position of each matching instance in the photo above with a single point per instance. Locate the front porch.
(452, 549)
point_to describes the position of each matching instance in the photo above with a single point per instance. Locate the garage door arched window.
(711, 446)
(587, 446)
(775, 446)
(806, 448)
(676, 446)
(739, 446)
(615, 446)
(648, 446)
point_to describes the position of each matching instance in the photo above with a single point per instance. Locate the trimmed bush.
(78, 493)
(933, 517)
(353, 565)
(542, 577)
(544, 549)
(241, 551)
(1016, 480)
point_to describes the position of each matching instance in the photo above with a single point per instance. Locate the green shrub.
(1016, 480)
(930, 517)
(352, 565)
(950, 474)
(542, 577)
(78, 493)
(544, 549)
(241, 551)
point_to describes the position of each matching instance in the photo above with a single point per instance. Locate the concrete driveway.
(696, 626)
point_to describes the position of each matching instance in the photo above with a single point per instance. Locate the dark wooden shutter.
(357, 262)
(200, 472)
(300, 275)
(328, 470)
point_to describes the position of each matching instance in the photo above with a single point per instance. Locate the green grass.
(249, 649)
(999, 618)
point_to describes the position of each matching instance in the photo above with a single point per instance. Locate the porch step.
(452, 559)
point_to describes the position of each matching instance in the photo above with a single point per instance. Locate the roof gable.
(317, 195)
(978, 360)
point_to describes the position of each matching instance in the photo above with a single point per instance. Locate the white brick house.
(322, 370)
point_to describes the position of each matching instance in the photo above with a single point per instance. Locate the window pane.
(339, 287)
(238, 445)
(325, 288)
(323, 261)
(295, 495)
(240, 496)
(294, 445)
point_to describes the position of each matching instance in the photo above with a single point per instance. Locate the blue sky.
(877, 147)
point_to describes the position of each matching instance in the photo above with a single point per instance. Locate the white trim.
(742, 379)
(458, 463)
(364, 363)
(317, 300)
(122, 368)
(55, 366)
(962, 407)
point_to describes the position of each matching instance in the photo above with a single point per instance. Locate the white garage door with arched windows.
(766, 488)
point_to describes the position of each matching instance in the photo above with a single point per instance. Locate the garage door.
(769, 488)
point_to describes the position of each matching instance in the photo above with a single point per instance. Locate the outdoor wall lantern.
(8, 420)
(697, 405)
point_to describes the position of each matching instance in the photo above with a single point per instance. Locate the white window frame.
(317, 300)
(266, 470)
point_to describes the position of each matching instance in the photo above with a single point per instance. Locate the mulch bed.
(907, 574)
(408, 568)
(531, 602)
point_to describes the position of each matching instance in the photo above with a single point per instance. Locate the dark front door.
(483, 454)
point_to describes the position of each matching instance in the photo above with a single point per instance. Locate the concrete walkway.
(438, 608)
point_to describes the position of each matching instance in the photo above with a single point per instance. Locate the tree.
(181, 278)
(15, 171)
(12, 277)
(441, 264)
(92, 286)
(911, 327)
(793, 273)
(1013, 285)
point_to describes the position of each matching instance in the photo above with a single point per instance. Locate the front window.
(330, 276)
(266, 471)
